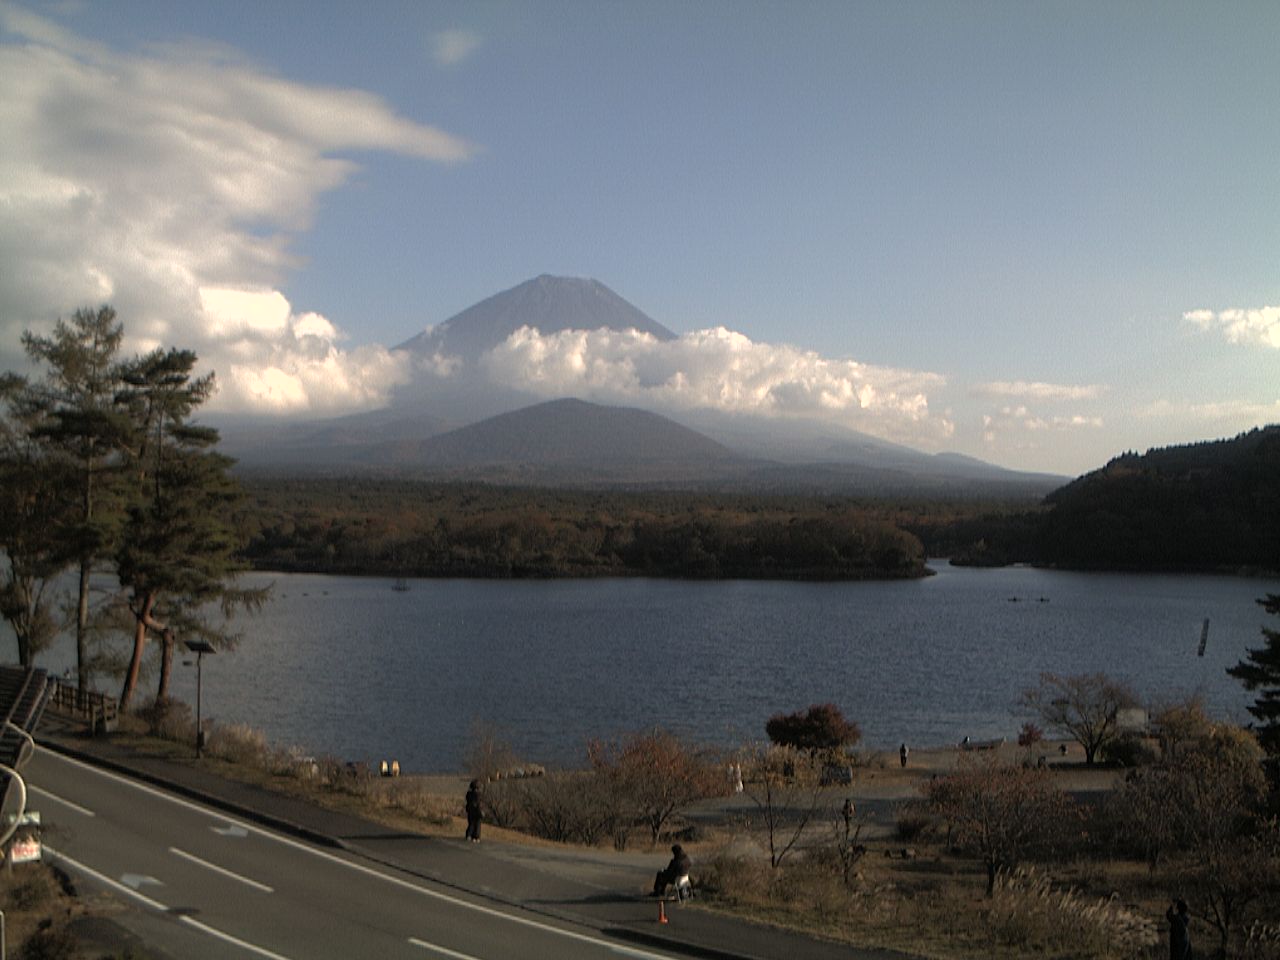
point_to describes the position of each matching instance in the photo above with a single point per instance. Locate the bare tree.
(1085, 707)
(656, 774)
(1003, 812)
(785, 784)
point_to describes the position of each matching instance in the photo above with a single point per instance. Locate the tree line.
(1206, 506)
(399, 527)
(103, 471)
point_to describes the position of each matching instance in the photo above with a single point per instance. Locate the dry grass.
(38, 910)
(932, 907)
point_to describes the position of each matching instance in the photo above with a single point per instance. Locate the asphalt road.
(204, 885)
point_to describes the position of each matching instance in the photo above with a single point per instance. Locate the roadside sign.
(24, 847)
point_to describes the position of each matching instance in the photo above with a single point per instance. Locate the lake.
(350, 667)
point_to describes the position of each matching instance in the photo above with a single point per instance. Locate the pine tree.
(34, 512)
(1260, 670)
(84, 427)
(177, 552)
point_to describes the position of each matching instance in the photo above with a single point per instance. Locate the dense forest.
(1205, 506)
(1209, 506)
(407, 528)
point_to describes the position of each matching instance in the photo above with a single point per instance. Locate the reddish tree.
(656, 774)
(1004, 813)
(821, 727)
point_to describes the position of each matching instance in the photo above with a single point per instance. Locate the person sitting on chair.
(677, 869)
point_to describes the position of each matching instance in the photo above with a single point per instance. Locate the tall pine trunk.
(82, 629)
(142, 617)
(166, 665)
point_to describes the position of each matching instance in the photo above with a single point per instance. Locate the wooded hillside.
(1205, 506)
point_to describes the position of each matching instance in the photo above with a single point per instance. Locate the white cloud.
(1017, 428)
(1039, 391)
(1230, 415)
(171, 185)
(722, 370)
(273, 360)
(1253, 327)
(451, 47)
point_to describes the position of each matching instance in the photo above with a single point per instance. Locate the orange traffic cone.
(662, 910)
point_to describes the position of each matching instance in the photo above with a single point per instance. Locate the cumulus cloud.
(280, 362)
(451, 47)
(722, 370)
(1038, 391)
(1258, 327)
(171, 185)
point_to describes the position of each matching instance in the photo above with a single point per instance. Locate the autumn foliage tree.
(1004, 813)
(655, 774)
(821, 727)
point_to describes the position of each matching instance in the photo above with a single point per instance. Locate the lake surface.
(349, 667)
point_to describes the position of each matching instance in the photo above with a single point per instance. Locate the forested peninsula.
(400, 527)
(1212, 506)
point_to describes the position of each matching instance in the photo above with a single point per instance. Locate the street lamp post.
(199, 648)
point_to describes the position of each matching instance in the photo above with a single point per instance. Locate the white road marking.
(436, 948)
(161, 908)
(228, 938)
(222, 870)
(85, 811)
(136, 881)
(369, 871)
(116, 885)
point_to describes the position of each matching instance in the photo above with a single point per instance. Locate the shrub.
(1128, 750)
(169, 719)
(238, 743)
(734, 879)
(50, 943)
(569, 807)
(913, 823)
(502, 804)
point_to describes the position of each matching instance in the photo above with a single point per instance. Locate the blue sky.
(1037, 233)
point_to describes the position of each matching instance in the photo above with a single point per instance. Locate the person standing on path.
(1179, 932)
(473, 812)
(902, 754)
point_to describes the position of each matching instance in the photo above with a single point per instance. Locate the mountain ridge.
(440, 425)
